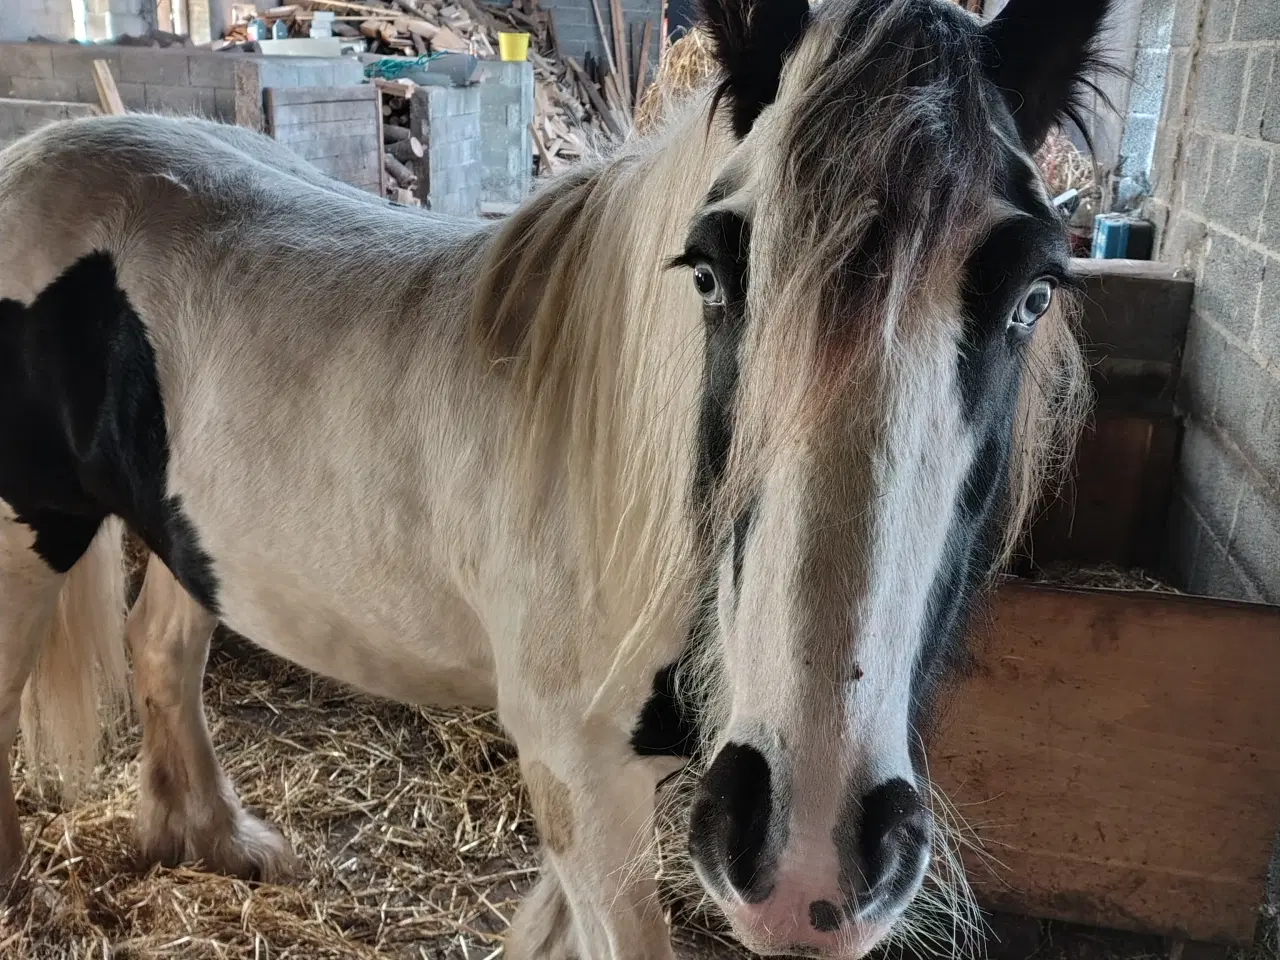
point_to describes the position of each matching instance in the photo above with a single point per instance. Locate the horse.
(709, 449)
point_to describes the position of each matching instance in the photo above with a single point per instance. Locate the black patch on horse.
(82, 427)
(1017, 252)
(666, 728)
(721, 239)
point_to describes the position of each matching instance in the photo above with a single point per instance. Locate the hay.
(1101, 577)
(1065, 168)
(411, 824)
(686, 66)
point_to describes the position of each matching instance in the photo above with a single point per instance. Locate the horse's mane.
(603, 342)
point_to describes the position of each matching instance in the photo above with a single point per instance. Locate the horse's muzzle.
(806, 889)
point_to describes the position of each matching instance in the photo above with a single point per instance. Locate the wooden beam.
(544, 159)
(108, 95)
(604, 37)
(597, 102)
(1118, 753)
(622, 75)
(643, 67)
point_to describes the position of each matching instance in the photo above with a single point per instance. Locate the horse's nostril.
(824, 915)
(729, 823)
(894, 838)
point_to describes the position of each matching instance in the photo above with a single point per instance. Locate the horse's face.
(877, 262)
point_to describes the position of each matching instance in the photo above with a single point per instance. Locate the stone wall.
(1216, 203)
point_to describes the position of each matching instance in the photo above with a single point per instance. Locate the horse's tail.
(78, 690)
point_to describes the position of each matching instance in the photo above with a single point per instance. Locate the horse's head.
(881, 273)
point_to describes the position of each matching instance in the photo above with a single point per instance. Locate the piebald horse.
(708, 447)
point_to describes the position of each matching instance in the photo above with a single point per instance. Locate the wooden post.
(604, 36)
(108, 95)
(621, 58)
(643, 69)
(382, 149)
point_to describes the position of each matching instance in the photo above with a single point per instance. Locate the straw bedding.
(411, 825)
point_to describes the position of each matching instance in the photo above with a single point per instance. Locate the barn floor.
(415, 837)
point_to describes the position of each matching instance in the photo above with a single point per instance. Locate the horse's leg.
(593, 800)
(28, 598)
(187, 809)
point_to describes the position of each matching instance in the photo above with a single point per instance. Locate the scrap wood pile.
(576, 103)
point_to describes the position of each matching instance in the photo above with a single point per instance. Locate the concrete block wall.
(54, 19)
(173, 80)
(506, 147)
(447, 121)
(1145, 100)
(1217, 207)
(20, 117)
(577, 31)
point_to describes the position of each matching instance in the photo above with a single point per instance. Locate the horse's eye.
(1035, 303)
(704, 278)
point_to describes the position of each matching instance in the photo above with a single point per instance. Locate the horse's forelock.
(885, 158)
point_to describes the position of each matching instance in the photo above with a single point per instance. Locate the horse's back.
(287, 337)
(140, 186)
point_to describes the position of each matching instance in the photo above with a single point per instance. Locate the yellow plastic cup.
(513, 47)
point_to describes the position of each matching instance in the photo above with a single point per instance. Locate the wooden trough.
(1119, 751)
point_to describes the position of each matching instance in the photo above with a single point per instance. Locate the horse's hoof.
(255, 850)
(248, 848)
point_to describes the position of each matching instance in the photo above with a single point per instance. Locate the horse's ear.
(753, 38)
(1041, 54)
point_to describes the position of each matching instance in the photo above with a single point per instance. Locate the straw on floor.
(411, 825)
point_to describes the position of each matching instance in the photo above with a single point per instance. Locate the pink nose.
(796, 920)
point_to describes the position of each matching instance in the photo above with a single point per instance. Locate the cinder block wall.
(171, 80)
(506, 147)
(577, 31)
(1217, 204)
(447, 121)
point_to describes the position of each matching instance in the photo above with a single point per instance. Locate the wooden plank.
(1115, 505)
(643, 63)
(593, 95)
(285, 96)
(334, 147)
(1118, 753)
(620, 56)
(545, 165)
(381, 137)
(1134, 326)
(604, 37)
(354, 169)
(349, 110)
(1142, 269)
(108, 95)
(325, 130)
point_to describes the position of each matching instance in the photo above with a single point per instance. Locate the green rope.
(392, 67)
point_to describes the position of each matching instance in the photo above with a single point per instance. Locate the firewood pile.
(576, 104)
(402, 149)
